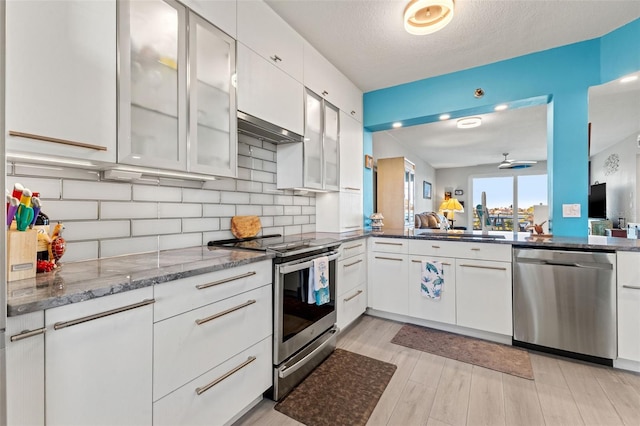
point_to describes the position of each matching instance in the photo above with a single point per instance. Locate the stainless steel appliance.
(566, 300)
(304, 334)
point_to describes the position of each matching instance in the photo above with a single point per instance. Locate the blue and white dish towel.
(431, 279)
(319, 281)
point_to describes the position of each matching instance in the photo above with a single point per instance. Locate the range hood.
(261, 129)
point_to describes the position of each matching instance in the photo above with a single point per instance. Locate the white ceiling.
(366, 40)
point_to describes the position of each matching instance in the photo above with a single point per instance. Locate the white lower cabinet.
(25, 369)
(389, 291)
(483, 295)
(351, 305)
(420, 306)
(98, 353)
(352, 282)
(221, 393)
(628, 306)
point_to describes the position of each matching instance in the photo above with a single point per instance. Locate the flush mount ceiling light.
(427, 16)
(445, 117)
(469, 122)
(629, 79)
(396, 125)
(501, 107)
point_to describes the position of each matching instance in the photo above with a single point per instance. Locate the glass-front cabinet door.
(313, 141)
(212, 118)
(152, 84)
(331, 148)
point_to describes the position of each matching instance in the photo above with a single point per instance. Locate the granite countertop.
(520, 239)
(80, 281)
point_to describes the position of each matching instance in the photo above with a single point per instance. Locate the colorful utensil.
(35, 201)
(24, 216)
(12, 203)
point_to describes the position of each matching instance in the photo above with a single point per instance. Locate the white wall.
(385, 146)
(621, 182)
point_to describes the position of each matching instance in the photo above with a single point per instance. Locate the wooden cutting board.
(245, 226)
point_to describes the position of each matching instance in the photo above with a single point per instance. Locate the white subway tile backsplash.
(79, 251)
(70, 210)
(155, 227)
(81, 190)
(292, 230)
(96, 230)
(312, 201)
(301, 201)
(292, 210)
(33, 170)
(216, 235)
(156, 193)
(244, 210)
(263, 154)
(248, 140)
(263, 199)
(266, 221)
(225, 223)
(283, 220)
(261, 176)
(249, 186)
(128, 210)
(300, 220)
(308, 210)
(309, 228)
(220, 184)
(218, 210)
(270, 188)
(179, 210)
(48, 188)
(234, 197)
(168, 242)
(269, 146)
(269, 166)
(122, 246)
(201, 224)
(190, 195)
(285, 200)
(272, 210)
(273, 230)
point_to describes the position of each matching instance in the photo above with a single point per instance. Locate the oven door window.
(298, 313)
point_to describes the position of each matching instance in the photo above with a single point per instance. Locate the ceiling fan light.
(423, 17)
(469, 122)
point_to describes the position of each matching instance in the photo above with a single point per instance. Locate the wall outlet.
(571, 210)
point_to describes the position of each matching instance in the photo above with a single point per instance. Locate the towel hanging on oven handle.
(288, 268)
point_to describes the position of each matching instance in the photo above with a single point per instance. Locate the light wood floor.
(430, 390)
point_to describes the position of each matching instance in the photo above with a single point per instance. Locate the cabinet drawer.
(390, 245)
(480, 251)
(351, 305)
(352, 272)
(176, 297)
(184, 349)
(240, 380)
(434, 248)
(353, 248)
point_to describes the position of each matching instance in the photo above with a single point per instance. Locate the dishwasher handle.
(589, 265)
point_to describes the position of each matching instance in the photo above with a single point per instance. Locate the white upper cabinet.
(323, 78)
(267, 34)
(351, 153)
(157, 127)
(221, 13)
(61, 78)
(266, 92)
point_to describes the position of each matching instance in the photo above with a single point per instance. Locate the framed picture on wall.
(426, 190)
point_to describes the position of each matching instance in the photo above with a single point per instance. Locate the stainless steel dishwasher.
(566, 300)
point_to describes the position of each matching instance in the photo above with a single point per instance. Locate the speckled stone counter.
(80, 281)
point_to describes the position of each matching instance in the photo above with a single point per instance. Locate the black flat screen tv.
(598, 201)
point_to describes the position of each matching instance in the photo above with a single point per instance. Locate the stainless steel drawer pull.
(353, 263)
(435, 246)
(632, 287)
(27, 333)
(389, 244)
(352, 247)
(475, 249)
(358, 293)
(352, 227)
(388, 258)
(276, 58)
(351, 188)
(56, 140)
(420, 261)
(59, 325)
(205, 388)
(223, 313)
(497, 268)
(225, 280)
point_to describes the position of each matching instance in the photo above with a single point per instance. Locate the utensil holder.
(21, 254)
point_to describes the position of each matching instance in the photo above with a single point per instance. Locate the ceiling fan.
(515, 164)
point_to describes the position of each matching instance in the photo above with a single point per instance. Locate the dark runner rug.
(495, 356)
(343, 390)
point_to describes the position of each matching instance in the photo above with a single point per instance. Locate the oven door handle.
(295, 367)
(287, 269)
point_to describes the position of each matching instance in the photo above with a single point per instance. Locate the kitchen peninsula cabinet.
(442, 310)
(629, 306)
(389, 275)
(25, 375)
(161, 119)
(61, 79)
(97, 359)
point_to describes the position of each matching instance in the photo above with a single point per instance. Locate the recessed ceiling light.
(469, 122)
(629, 79)
(396, 125)
(445, 117)
(501, 107)
(427, 16)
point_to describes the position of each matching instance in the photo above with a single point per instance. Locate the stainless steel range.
(304, 333)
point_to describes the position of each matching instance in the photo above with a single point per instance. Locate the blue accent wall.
(560, 77)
